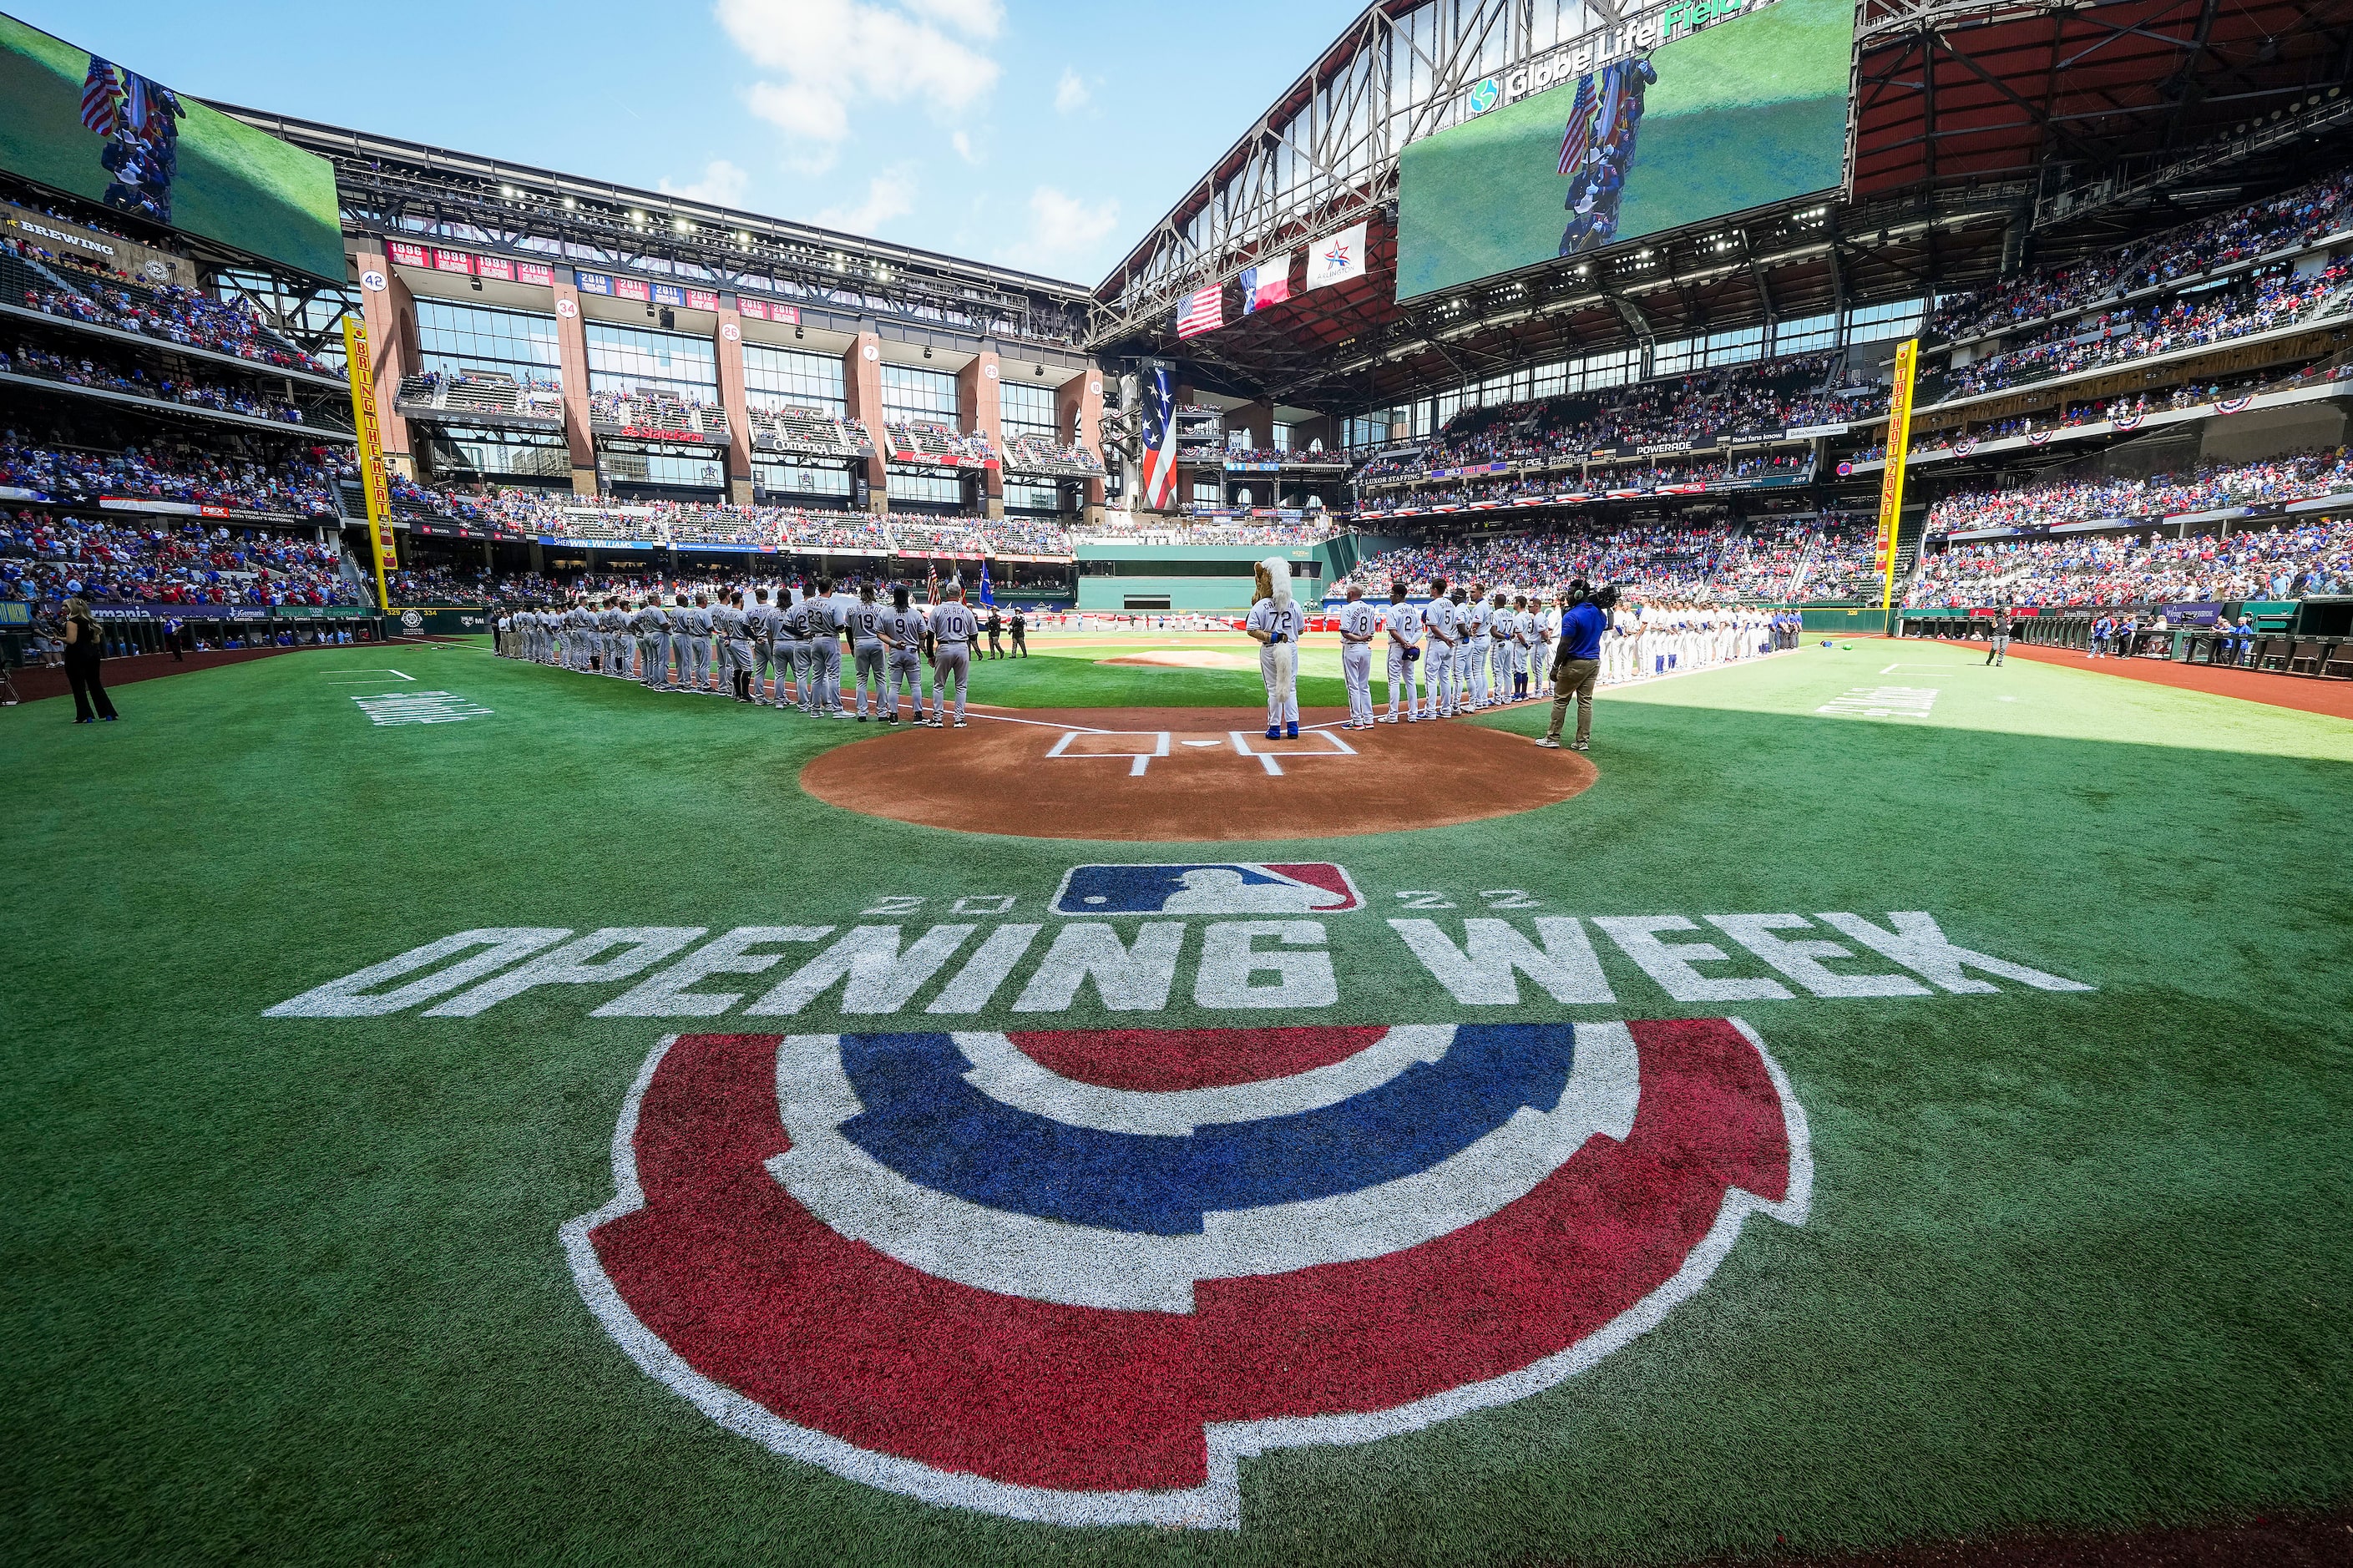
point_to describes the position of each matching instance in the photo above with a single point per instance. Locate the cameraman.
(1577, 664)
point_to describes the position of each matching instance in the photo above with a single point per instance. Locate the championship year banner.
(360, 369)
(1890, 481)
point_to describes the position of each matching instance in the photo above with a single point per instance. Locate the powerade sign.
(1565, 62)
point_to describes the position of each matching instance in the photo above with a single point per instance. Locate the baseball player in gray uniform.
(1438, 652)
(1359, 623)
(796, 623)
(760, 622)
(825, 652)
(737, 633)
(1403, 624)
(614, 621)
(952, 628)
(864, 625)
(649, 623)
(903, 641)
(701, 624)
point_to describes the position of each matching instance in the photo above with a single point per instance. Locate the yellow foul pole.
(1891, 482)
(379, 504)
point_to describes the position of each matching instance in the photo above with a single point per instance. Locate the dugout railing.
(2279, 652)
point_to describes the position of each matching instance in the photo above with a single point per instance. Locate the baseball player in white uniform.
(1504, 628)
(1403, 624)
(953, 628)
(1478, 644)
(1438, 652)
(1359, 623)
(1275, 624)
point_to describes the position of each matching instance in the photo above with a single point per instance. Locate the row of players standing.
(760, 647)
(1474, 650)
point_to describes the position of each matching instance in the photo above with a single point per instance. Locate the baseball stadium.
(1715, 1066)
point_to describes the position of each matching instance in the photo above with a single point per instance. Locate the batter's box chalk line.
(1142, 748)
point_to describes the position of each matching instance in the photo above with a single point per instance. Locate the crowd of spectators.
(2255, 304)
(46, 557)
(1693, 564)
(27, 360)
(170, 314)
(536, 514)
(2271, 481)
(1666, 477)
(302, 486)
(2283, 562)
(1311, 530)
(1763, 397)
(2297, 217)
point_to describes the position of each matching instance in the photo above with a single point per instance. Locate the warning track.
(1190, 775)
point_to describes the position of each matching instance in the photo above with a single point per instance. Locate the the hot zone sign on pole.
(1890, 481)
(356, 363)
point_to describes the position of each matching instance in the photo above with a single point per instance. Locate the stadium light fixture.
(571, 206)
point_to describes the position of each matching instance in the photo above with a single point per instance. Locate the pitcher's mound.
(1191, 774)
(1187, 658)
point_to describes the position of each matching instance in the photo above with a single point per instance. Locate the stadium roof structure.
(410, 190)
(1976, 128)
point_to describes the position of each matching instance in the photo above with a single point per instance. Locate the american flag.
(1203, 311)
(1579, 134)
(101, 96)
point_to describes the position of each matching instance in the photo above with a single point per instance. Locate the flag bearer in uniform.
(1359, 623)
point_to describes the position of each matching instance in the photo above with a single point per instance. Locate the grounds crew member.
(1578, 663)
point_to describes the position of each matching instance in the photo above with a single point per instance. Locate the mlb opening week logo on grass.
(1593, 815)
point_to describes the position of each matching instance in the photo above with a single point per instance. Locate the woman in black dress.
(84, 649)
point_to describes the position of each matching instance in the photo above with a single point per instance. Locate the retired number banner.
(1891, 483)
(357, 364)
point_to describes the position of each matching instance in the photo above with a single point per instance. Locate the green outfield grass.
(291, 1289)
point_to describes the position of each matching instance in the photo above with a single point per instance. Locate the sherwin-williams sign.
(1738, 112)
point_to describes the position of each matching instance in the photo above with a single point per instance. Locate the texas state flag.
(1264, 285)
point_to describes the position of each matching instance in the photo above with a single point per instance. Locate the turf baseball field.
(463, 1110)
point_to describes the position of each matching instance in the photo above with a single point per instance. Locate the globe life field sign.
(96, 129)
(1710, 106)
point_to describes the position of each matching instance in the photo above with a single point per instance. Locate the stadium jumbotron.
(1717, 1065)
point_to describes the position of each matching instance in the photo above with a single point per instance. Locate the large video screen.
(1748, 110)
(77, 123)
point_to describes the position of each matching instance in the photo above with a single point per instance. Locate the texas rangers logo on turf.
(1208, 888)
(1081, 1276)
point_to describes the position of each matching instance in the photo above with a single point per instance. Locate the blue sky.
(1038, 133)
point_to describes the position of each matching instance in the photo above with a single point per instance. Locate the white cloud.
(820, 57)
(963, 146)
(722, 184)
(1063, 230)
(888, 196)
(1070, 93)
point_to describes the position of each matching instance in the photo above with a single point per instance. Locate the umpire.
(1577, 664)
